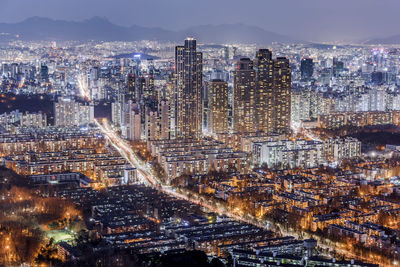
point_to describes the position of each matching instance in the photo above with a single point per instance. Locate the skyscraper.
(243, 97)
(189, 71)
(133, 121)
(264, 90)
(337, 67)
(44, 72)
(217, 119)
(140, 87)
(131, 93)
(164, 120)
(306, 68)
(282, 95)
(262, 95)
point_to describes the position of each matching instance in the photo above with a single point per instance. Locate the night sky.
(314, 20)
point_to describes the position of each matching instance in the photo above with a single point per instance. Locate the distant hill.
(394, 39)
(100, 29)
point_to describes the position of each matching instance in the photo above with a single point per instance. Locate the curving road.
(147, 176)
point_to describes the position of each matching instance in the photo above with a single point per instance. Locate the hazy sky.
(303, 19)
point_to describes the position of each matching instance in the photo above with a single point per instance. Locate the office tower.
(136, 63)
(189, 69)
(377, 77)
(44, 72)
(337, 67)
(334, 66)
(94, 73)
(264, 89)
(306, 68)
(67, 112)
(14, 70)
(243, 97)
(281, 94)
(217, 119)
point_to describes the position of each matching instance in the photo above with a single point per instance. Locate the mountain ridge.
(101, 29)
(390, 40)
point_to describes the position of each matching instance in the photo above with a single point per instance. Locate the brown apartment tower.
(262, 94)
(188, 100)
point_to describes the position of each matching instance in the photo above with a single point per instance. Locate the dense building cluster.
(227, 149)
(289, 154)
(71, 150)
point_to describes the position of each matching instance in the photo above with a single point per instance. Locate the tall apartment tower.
(262, 96)
(67, 113)
(133, 121)
(282, 95)
(217, 118)
(164, 112)
(243, 97)
(264, 100)
(131, 93)
(189, 71)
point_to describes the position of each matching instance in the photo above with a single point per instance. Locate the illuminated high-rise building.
(262, 96)
(133, 121)
(264, 91)
(140, 87)
(68, 113)
(44, 72)
(337, 67)
(164, 119)
(131, 94)
(151, 124)
(243, 97)
(306, 68)
(149, 91)
(189, 71)
(217, 119)
(282, 95)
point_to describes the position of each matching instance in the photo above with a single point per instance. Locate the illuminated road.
(147, 176)
(297, 128)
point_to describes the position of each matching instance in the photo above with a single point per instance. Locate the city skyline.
(219, 145)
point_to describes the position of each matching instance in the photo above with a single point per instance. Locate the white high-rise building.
(288, 153)
(133, 121)
(304, 153)
(396, 102)
(67, 112)
(116, 113)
